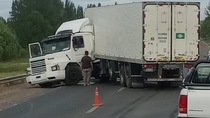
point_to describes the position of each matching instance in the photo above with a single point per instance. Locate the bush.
(9, 46)
(24, 53)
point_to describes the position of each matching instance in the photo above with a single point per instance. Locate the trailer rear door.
(171, 31)
(157, 32)
(185, 32)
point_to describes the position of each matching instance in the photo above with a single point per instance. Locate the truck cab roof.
(74, 26)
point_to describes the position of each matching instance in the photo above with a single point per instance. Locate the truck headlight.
(56, 67)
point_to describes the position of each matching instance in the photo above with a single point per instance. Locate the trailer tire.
(73, 75)
(128, 76)
(122, 77)
(112, 74)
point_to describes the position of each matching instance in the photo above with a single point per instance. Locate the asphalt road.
(76, 101)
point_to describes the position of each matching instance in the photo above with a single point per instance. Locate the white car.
(194, 99)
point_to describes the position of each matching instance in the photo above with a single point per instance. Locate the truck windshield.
(56, 45)
(202, 74)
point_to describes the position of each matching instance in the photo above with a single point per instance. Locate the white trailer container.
(118, 31)
(160, 36)
(167, 31)
(153, 41)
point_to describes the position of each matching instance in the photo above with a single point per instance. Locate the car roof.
(201, 62)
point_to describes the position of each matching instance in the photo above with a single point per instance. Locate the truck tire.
(96, 72)
(122, 77)
(112, 74)
(128, 76)
(46, 85)
(73, 75)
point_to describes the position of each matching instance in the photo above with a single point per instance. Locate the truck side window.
(78, 42)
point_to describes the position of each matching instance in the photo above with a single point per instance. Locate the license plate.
(149, 69)
(170, 66)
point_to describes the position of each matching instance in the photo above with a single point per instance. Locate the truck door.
(78, 47)
(35, 50)
(185, 24)
(157, 32)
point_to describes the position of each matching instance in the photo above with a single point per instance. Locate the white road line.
(92, 109)
(91, 83)
(121, 89)
(14, 104)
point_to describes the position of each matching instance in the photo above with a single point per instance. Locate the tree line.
(205, 25)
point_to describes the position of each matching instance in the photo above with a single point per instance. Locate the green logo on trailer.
(180, 35)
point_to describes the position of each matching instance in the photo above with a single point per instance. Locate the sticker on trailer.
(180, 35)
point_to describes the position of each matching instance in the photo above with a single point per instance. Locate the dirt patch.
(10, 95)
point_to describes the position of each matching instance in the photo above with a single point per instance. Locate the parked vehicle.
(194, 97)
(153, 41)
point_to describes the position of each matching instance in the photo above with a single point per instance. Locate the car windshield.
(56, 45)
(202, 74)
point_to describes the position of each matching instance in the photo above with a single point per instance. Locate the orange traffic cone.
(97, 99)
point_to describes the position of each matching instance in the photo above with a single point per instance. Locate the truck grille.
(38, 66)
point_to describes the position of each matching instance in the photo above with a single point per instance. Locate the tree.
(90, 5)
(93, 5)
(115, 3)
(205, 25)
(2, 19)
(9, 46)
(69, 11)
(207, 10)
(99, 4)
(33, 20)
(80, 12)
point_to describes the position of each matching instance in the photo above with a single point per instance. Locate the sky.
(5, 5)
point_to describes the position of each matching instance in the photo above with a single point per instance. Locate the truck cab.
(57, 57)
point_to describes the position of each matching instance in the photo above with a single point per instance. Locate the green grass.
(12, 68)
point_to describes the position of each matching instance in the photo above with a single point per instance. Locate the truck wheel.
(73, 75)
(122, 77)
(46, 85)
(96, 72)
(128, 77)
(112, 74)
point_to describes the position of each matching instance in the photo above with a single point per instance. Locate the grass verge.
(12, 68)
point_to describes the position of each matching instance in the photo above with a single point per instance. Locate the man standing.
(87, 68)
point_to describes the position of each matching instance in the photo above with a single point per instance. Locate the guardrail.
(13, 78)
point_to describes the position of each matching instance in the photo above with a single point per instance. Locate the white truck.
(153, 41)
(194, 97)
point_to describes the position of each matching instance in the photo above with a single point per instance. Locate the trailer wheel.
(128, 76)
(73, 75)
(112, 74)
(122, 77)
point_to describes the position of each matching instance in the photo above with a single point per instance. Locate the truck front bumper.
(46, 77)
